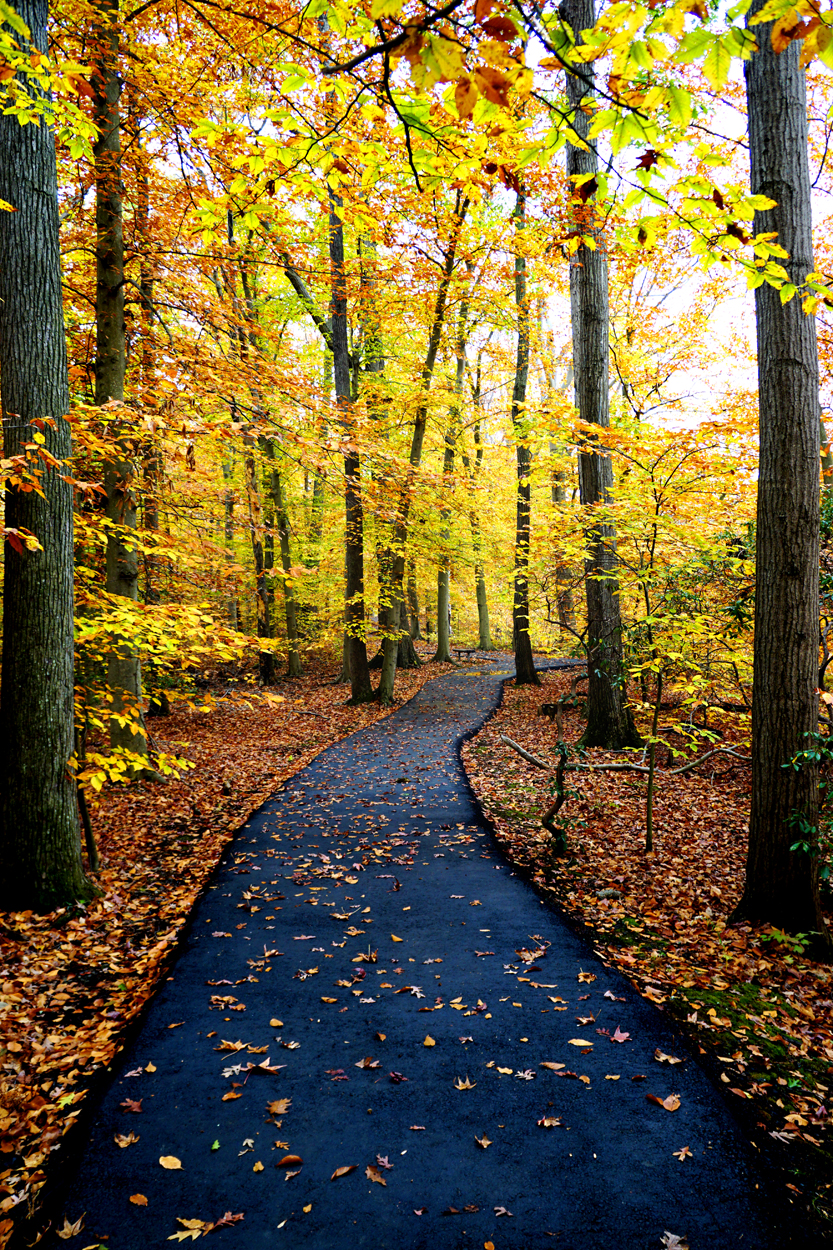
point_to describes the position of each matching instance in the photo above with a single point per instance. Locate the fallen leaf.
(459, 1083)
(373, 1174)
(397, 1078)
(123, 1140)
(420, 1210)
(70, 1230)
(131, 1104)
(258, 1167)
(585, 1080)
(488, 1245)
(138, 1200)
(587, 977)
(307, 1208)
(671, 1103)
(289, 1161)
(611, 1078)
(380, 1037)
(151, 1067)
(619, 1036)
(507, 1071)
(483, 1141)
(502, 1211)
(417, 1128)
(685, 1153)
(577, 1041)
(663, 1058)
(276, 1024)
(394, 938)
(550, 1121)
(279, 1107)
(367, 1062)
(384, 1162)
(224, 1045)
(170, 1162)
(230, 1096)
(554, 1067)
(345, 1171)
(429, 1041)
(329, 1000)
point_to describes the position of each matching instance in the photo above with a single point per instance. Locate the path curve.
(379, 846)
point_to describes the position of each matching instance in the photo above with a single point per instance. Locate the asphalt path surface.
(358, 947)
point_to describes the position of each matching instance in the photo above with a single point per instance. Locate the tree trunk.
(782, 885)
(609, 720)
(124, 674)
(355, 648)
(39, 828)
(413, 603)
(452, 433)
(293, 663)
(232, 603)
(525, 674)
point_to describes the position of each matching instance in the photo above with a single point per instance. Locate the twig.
(531, 759)
(621, 768)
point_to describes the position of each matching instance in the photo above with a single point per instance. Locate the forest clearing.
(349, 345)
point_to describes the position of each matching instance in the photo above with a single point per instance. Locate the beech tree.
(609, 719)
(781, 882)
(39, 828)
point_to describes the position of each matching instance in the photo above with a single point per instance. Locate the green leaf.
(679, 106)
(717, 64)
(215, 1145)
(787, 291)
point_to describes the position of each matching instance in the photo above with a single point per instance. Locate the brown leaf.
(170, 1162)
(131, 1104)
(230, 1096)
(554, 1067)
(279, 1107)
(122, 1139)
(70, 1230)
(459, 1083)
(550, 1121)
(345, 1171)
(671, 1103)
(367, 1062)
(289, 1161)
(483, 1141)
(373, 1174)
(663, 1058)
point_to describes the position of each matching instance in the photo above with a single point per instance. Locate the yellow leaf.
(150, 1067)
(461, 1084)
(258, 1167)
(329, 1000)
(611, 1078)
(170, 1162)
(307, 1208)
(276, 1024)
(508, 1071)
(578, 1041)
(429, 1041)
(394, 938)
(345, 1171)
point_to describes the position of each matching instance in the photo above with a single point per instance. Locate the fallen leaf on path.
(170, 1162)
(368, 1062)
(554, 1067)
(417, 1128)
(373, 1174)
(502, 1211)
(279, 1107)
(289, 1161)
(122, 1139)
(276, 1024)
(577, 1041)
(345, 1171)
(397, 1078)
(394, 938)
(224, 1045)
(619, 1036)
(138, 1200)
(550, 1121)
(671, 1103)
(663, 1058)
(685, 1153)
(459, 1083)
(420, 1210)
(70, 1230)
(380, 1037)
(131, 1104)
(384, 1162)
(587, 977)
(429, 1041)
(483, 1141)
(612, 1078)
(230, 1096)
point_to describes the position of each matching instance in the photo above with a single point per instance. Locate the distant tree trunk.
(124, 674)
(413, 603)
(525, 674)
(232, 604)
(293, 664)
(355, 648)
(563, 573)
(255, 507)
(484, 633)
(782, 885)
(400, 528)
(452, 433)
(609, 719)
(39, 828)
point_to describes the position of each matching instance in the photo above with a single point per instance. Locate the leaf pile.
(753, 1004)
(71, 981)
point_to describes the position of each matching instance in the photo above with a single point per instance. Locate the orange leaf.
(138, 1200)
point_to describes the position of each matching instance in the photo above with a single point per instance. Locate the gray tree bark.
(525, 674)
(355, 647)
(124, 674)
(39, 827)
(782, 885)
(609, 720)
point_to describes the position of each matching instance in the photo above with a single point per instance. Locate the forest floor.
(71, 982)
(760, 1013)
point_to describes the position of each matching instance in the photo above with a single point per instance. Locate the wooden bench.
(467, 651)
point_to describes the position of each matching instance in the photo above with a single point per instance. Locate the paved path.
(378, 849)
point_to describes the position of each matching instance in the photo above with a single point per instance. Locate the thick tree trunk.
(525, 674)
(355, 647)
(782, 885)
(413, 603)
(609, 720)
(124, 674)
(39, 828)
